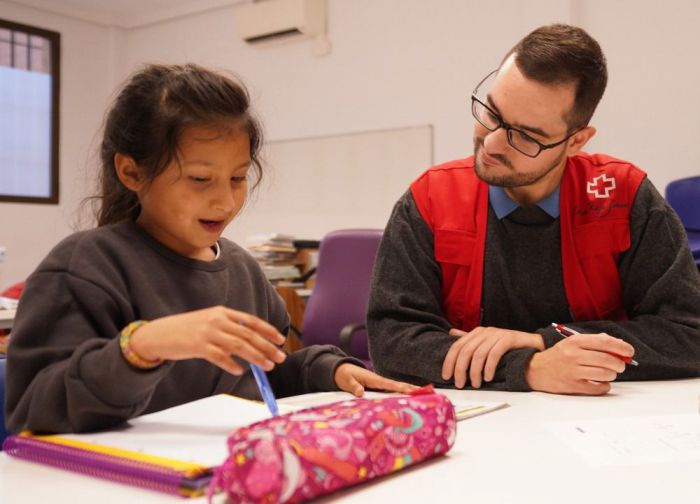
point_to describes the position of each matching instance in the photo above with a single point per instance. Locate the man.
(483, 254)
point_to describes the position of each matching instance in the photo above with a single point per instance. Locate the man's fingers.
(586, 387)
(463, 361)
(602, 360)
(495, 355)
(603, 343)
(597, 374)
(448, 365)
(479, 358)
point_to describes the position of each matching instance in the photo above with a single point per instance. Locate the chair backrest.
(684, 196)
(341, 293)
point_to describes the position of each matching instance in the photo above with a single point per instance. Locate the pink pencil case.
(316, 451)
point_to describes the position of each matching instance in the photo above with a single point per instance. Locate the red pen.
(567, 331)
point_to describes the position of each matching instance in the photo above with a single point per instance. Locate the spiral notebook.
(172, 451)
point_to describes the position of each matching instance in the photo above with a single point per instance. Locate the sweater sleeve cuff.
(550, 336)
(322, 376)
(515, 374)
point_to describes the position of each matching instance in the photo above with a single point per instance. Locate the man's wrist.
(531, 372)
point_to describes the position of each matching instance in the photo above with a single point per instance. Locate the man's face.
(534, 108)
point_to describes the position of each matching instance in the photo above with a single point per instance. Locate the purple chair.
(684, 196)
(3, 431)
(336, 312)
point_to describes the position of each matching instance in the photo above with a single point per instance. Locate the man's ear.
(129, 172)
(579, 140)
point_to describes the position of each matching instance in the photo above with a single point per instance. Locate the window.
(29, 87)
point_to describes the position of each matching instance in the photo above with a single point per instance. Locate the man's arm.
(408, 331)
(661, 294)
(662, 299)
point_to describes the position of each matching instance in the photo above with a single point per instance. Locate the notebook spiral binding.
(99, 465)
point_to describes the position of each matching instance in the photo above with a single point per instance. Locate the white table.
(504, 456)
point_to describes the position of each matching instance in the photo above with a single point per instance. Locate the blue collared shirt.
(502, 204)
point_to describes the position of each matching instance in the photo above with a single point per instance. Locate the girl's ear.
(129, 172)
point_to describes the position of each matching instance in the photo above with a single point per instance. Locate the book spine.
(98, 465)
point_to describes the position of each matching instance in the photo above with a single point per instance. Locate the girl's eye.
(199, 179)
(238, 180)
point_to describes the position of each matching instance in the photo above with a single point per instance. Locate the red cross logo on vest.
(601, 186)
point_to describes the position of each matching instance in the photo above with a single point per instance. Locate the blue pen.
(265, 389)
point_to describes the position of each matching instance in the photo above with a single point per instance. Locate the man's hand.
(480, 350)
(578, 364)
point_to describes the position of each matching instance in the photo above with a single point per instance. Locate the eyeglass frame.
(509, 128)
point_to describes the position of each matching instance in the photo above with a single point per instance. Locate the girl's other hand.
(214, 334)
(355, 379)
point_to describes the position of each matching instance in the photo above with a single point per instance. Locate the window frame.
(54, 39)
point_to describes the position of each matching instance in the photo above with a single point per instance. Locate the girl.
(147, 310)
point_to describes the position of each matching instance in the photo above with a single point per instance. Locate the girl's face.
(191, 202)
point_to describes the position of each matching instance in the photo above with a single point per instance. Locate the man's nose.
(496, 142)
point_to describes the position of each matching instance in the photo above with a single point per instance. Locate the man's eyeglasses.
(518, 139)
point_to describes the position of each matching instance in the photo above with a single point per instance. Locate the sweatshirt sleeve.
(407, 328)
(661, 294)
(65, 371)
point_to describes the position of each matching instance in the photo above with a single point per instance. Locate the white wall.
(394, 63)
(650, 113)
(29, 231)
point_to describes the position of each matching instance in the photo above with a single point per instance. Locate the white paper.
(194, 432)
(633, 440)
(463, 409)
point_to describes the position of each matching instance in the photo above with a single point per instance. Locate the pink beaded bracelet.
(132, 357)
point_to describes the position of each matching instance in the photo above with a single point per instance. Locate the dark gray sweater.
(65, 371)
(523, 289)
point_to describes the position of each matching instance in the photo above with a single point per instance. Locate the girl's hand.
(355, 379)
(214, 334)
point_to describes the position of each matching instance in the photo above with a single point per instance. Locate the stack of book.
(276, 254)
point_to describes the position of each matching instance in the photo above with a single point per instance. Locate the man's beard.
(514, 178)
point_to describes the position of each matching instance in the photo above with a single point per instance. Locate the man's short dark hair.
(562, 54)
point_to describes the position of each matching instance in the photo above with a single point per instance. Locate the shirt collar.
(503, 205)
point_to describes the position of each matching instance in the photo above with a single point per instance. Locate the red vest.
(596, 195)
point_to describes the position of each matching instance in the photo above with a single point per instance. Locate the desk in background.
(506, 456)
(296, 304)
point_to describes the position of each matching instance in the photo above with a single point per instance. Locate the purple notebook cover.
(109, 467)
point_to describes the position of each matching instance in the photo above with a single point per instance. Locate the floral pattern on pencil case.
(309, 453)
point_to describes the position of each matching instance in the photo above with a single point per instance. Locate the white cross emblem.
(601, 186)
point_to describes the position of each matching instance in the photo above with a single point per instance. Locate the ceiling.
(127, 13)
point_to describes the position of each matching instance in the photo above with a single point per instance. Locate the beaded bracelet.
(132, 357)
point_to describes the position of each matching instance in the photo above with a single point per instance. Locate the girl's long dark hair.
(148, 117)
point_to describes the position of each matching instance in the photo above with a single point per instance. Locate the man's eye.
(523, 137)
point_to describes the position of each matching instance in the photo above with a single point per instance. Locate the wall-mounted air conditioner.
(266, 20)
